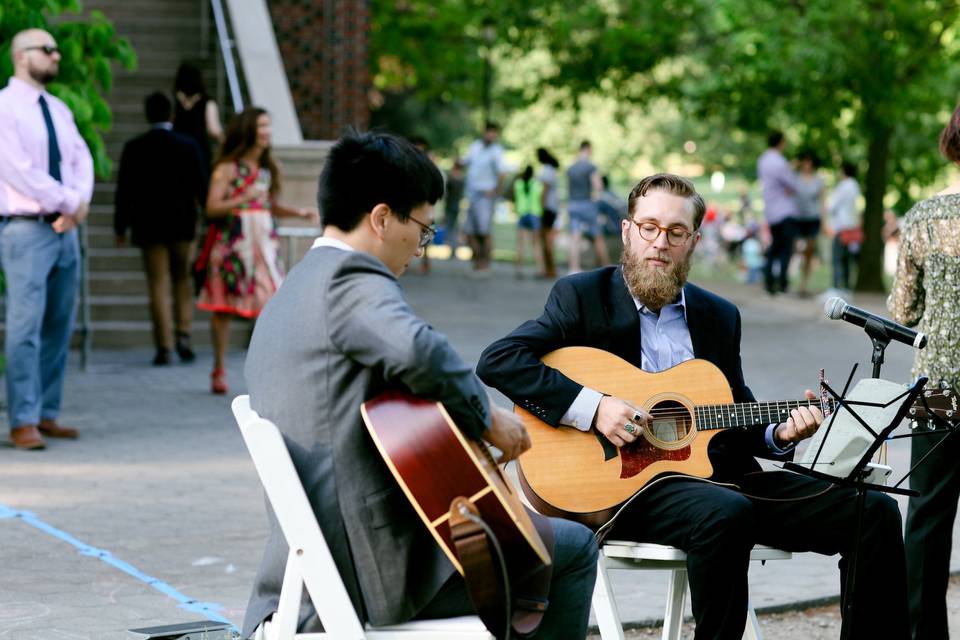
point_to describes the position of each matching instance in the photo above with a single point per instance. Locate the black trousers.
(717, 526)
(929, 533)
(782, 235)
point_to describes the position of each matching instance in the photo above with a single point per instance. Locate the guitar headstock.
(940, 402)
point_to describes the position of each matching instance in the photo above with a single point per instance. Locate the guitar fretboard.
(748, 414)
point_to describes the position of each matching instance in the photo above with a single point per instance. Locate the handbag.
(851, 236)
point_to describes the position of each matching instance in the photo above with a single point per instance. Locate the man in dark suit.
(644, 312)
(337, 333)
(161, 185)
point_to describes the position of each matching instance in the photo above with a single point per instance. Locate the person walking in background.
(240, 252)
(46, 182)
(528, 200)
(550, 201)
(584, 187)
(453, 195)
(844, 225)
(926, 294)
(486, 171)
(811, 195)
(196, 114)
(161, 185)
(779, 185)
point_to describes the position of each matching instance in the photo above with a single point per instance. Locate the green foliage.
(88, 46)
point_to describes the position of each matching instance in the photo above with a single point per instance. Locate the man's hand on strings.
(619, 421)
(802, 423)
(507, 434)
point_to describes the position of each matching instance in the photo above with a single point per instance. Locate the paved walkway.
(155, 515)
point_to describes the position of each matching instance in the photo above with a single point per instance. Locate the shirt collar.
(331, 242)
(682, 303)
(28, 91)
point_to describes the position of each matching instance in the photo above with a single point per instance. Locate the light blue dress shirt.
(665, 343)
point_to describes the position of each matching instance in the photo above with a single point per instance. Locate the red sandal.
(218, 382)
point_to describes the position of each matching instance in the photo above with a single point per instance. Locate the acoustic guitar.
(582, 476)
(434, 463)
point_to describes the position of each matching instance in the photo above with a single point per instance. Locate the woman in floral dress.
(240, 256)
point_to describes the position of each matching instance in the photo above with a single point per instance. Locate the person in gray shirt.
(584, 185)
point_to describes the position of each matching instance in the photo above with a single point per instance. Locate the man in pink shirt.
(46, 181)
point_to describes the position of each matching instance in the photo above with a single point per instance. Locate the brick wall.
(324, 48)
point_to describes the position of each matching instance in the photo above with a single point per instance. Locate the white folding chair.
(310, 563)
(617, 554)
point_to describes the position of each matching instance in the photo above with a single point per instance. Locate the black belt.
(48, 218)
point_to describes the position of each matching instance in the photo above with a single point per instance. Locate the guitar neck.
(710, 417)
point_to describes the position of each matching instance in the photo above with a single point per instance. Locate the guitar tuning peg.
(913, 411)
(914, 424)
(944, 385)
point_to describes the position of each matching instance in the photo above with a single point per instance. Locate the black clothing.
(159, 185)
(192, 122)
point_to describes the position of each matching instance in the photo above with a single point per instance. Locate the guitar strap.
(529, 579)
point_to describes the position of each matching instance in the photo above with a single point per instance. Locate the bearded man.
(46, 182)
(646, 313)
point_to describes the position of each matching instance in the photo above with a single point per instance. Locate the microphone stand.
(857, 478)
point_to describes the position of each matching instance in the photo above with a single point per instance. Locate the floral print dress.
(243, 267)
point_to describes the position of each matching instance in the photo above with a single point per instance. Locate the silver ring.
(629, 428)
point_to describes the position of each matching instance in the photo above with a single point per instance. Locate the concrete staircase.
(163, 34)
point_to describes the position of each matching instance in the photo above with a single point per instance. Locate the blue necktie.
(53, 149)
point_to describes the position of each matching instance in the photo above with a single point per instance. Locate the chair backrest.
(308, 548)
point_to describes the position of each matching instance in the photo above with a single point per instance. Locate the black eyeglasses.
(46, 48)
(427, 233)
(650, 231)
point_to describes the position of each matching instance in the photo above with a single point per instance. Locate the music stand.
(857, 474)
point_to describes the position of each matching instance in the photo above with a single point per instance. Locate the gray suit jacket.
(337, 333)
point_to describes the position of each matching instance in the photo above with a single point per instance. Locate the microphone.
(837, 309)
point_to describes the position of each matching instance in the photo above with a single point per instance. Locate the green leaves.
(88, 47)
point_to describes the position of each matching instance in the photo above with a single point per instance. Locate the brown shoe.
(52, 429)
(27, 437)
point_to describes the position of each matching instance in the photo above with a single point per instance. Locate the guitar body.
(580, 475)
(434, 463)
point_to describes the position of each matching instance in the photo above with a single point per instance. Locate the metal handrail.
(226, 52)
(86, 326)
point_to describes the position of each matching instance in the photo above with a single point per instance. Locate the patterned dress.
(243, 267)
(926, 291)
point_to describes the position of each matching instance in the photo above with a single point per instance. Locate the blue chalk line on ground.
(209, 609)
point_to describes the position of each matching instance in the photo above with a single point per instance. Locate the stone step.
(118, 283)
(126, 335)
(114, 259)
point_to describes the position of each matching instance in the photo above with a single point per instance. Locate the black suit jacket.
(595, 309)
(160, 183)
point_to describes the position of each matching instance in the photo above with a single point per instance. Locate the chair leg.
(288, 609)
(752, 630)
(604, 604)
(676, 593)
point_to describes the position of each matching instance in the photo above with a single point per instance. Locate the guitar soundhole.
(671, 422)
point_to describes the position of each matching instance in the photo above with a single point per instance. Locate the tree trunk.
(870, 271)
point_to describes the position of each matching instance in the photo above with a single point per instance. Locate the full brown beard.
(654, 288)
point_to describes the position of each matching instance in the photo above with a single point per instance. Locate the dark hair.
(189, 80)
(950, 138)
(367, 169)
(545, 157)
(606, 182)
(527, 174)
(420, 143)
(672, 184)
(241, 136)
(849, 169)
(490, 125)
(157, 107)
(809, 154)
(774, 138)
(585, 145)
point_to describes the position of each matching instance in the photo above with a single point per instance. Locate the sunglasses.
(46, 48)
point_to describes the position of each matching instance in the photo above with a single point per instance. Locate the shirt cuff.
(584, 408)
(772, 444)
(70, 204)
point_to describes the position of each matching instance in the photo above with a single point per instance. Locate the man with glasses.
(645, 312)
(46, 182)
(337, 333)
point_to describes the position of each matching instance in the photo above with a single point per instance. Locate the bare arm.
(219, 202)
(212, 117)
